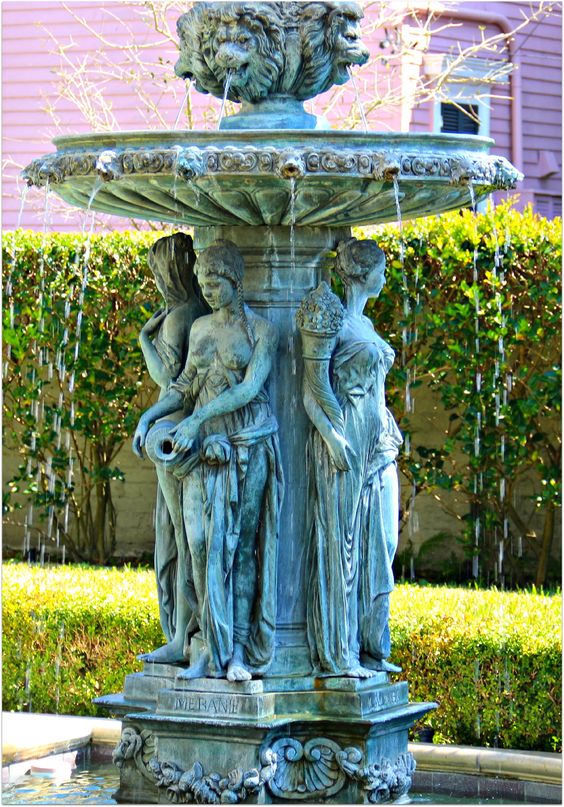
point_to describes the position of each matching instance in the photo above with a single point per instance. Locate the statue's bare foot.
(360, 672)
(171, 653)
(379, 664)
(237, 670)
(387, 666)
(199, 669)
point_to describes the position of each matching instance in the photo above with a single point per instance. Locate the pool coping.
(27, 735)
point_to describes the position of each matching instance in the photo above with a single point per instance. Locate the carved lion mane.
(330, 42)
(244, 39)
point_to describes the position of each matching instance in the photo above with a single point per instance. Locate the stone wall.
(434, 513)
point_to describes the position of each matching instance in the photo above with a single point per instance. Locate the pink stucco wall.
(33, 111)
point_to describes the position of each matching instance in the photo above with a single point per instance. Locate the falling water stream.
(185, 98)
(478, 478)
(228, 80)
(37, 405)
(408, 338)
(358, 99)
(406, 335)
(43, 375)
(292, 332)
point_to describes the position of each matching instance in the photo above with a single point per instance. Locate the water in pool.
(98, 782)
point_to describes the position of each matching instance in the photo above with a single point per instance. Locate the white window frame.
(466, 85)
(469, 94)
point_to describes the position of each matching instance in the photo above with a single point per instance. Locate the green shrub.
(49, 348)
(71, 633)
(491, 659)
(474, 314)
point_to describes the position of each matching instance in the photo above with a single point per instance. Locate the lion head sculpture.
(236, 44)
(330, 37)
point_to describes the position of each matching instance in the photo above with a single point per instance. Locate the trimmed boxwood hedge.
(491, 659)
(71, 633)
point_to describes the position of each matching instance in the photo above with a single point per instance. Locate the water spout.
(358, 99)
(108, 167)
(228, 80)
(188, 83)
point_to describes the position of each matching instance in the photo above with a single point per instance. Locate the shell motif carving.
(308, 770)
(320, 768)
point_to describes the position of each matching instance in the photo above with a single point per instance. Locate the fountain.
(275, 451)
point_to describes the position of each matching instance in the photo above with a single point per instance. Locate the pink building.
(82, 66)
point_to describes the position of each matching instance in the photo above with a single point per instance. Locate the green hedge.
(474, 313)
(501, 271)
(71, 633)
(48, 344)
(491, 659)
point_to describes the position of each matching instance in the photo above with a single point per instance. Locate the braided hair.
(357, 258)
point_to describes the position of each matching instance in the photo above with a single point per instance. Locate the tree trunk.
(547, 535)
(104, 523)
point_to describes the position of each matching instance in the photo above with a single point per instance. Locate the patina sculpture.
(274, 682)
(164, 342)
(268, 55)
(225, 451)
(353, 482)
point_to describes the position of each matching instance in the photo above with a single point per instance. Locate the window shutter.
(456, 119)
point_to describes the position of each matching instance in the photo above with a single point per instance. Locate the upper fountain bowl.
(270, 164)
(262, 177)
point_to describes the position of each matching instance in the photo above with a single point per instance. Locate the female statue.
(226, 452)
(352, 472)
(164, 342)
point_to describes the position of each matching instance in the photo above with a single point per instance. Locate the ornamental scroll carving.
(316, 769)
(193, 785)
(191, 162)
(320, 768)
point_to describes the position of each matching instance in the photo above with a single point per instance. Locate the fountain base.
(328, 739)
(276, 112)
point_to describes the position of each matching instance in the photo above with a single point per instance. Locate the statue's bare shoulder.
(264, 330)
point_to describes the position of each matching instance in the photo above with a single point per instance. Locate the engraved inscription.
(382, 700)
(217, 705)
